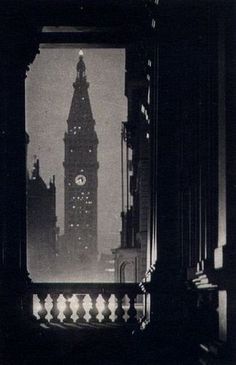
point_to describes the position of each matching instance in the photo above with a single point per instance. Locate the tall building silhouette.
(81, 179)
(41, 225)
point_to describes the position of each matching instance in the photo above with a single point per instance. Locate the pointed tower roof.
(80, 113)
(35, 171)
(36, 180)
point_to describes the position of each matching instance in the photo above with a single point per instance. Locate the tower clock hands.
(80, 180)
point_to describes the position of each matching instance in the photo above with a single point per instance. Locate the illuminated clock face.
(80, 180)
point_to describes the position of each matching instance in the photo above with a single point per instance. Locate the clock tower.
(81, 179)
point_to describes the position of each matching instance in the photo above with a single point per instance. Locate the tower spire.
(80, 111)
(35, 172)
(81, 69)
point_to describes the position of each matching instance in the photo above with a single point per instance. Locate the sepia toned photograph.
(118, 182)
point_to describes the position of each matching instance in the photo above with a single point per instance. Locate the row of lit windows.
(75, 131)
(88, 202)
(80, 198)
(75, 128)
(70, 184)
(77, 225)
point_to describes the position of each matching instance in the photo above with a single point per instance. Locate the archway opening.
(74, 121)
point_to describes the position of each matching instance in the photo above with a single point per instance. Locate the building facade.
(41, 226)
(131, 256)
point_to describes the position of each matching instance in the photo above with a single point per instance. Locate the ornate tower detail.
(81, 168)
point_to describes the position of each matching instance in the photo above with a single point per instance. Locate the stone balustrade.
(87, 302)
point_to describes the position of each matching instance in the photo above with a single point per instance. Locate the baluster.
(93, 311)
(81, 311)
(36, 306)
(112, 307)
(119, 312)
(42, 312)
(55, 311)
(106, 311)
(132, 311)
(67, 312)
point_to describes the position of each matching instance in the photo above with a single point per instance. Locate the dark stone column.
(19, 47)
(182, 67)
(229, 276)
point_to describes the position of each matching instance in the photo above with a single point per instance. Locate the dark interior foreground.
(180, 87)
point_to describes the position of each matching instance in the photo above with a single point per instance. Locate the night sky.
(49, 92)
